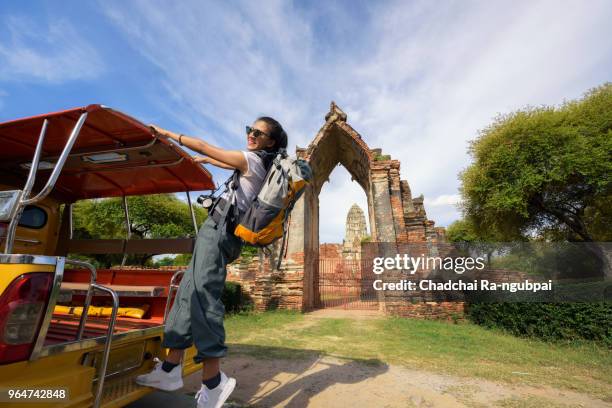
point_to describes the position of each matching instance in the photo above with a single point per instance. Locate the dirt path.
(330, 382)
(341, 313)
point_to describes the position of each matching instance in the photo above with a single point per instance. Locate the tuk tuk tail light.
(21, 311)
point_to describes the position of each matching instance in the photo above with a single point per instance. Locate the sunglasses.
(256, 132)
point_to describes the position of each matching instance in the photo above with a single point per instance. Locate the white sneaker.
(162, 380)
(216, 397)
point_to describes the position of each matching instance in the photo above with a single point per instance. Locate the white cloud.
(55, 53)
(222, 65)
(443, 200)
(421, 81)
(443, 208)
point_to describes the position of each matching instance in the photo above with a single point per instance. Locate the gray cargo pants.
(196, 317)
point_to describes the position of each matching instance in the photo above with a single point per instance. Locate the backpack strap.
(282, 251)
(231, 187)
(266, 157)
(218, 198)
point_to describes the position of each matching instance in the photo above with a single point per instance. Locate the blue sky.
(418, 79)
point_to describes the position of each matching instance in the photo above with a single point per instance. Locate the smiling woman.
(200, 321)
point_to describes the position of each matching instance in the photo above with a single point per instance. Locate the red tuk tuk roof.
(114, 155)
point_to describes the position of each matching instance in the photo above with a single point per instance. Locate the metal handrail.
(128, 227)
(70, 209)
(173, 286)
(109, 339)
(111, 324)
(88, 296)
(24, 195)
(60, 162)
(27, 189)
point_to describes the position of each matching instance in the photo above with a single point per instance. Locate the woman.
(196, 316)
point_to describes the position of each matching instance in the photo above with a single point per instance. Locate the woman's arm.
(233, 158)
(210, 160)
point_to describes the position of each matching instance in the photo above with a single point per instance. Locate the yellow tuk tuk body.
(48, 352)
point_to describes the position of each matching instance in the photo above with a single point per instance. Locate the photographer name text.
(475, 285)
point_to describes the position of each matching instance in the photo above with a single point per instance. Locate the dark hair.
(276, 132)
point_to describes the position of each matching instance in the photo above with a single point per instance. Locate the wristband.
(179, 140)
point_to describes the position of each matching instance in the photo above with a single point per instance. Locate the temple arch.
(336, 143)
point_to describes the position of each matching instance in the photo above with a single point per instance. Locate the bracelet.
(179, 140)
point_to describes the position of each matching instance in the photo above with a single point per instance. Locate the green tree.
(151, 216)
(461, 231)
(182, 260)
(165, 261)
(544, 171)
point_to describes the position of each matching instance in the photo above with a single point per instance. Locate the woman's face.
(258, 138)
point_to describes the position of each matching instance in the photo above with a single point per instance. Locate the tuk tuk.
(72, 335)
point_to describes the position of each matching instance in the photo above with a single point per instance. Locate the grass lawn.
(460, 349)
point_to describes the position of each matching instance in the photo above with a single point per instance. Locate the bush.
(548, 321)
(233, 298)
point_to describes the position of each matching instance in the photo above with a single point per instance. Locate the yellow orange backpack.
(265, 220)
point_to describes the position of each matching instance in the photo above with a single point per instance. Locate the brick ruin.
(394, 215)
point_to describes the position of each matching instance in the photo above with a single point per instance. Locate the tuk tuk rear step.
(124, 387)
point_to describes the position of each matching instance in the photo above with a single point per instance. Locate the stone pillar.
(311, 249)
(383, 212)
(396, 201)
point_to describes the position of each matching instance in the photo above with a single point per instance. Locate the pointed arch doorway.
(341, 282)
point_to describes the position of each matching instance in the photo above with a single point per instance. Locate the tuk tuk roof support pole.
(128, 228)
(57, 169)
(193, 217)
(27, 189)
(70, 208)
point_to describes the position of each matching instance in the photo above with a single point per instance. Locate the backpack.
(265, 220)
